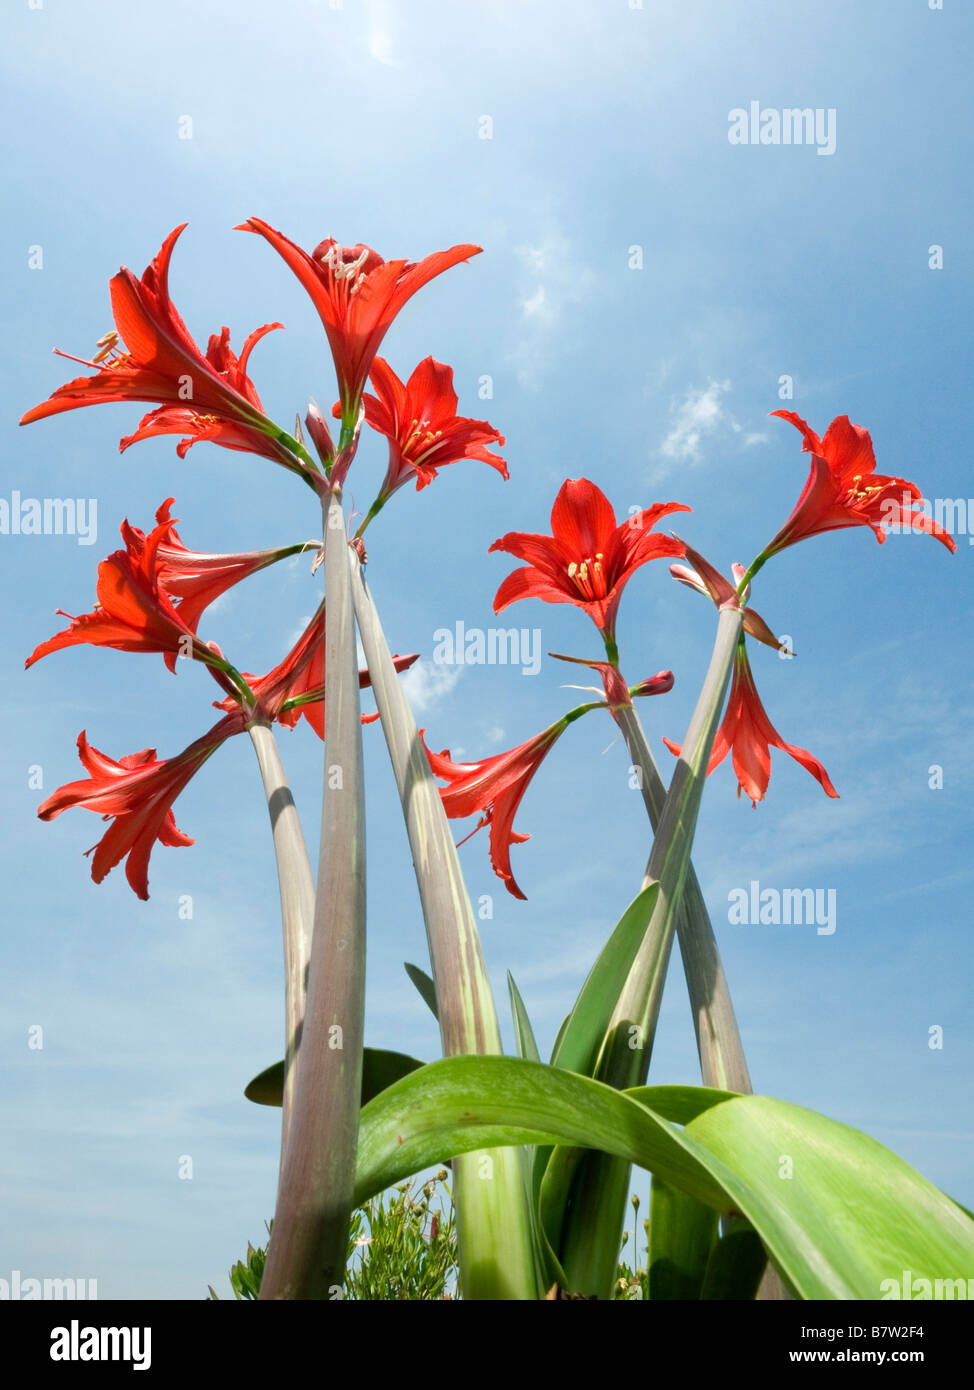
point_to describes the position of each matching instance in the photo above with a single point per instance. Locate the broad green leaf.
(561, 1033)
(379, 1070)
(736, 1264)
(452, 1105)
(582, 1034)
(425, 985)
(838, 1213)
(578, 1045)
(682, 1232)
(851, 1216)
(556, 1169)
(523, 1032)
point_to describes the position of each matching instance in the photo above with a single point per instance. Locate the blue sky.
(609, 131)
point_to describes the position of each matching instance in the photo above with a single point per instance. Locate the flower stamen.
(588, 576)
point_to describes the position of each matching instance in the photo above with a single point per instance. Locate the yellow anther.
(106, 345)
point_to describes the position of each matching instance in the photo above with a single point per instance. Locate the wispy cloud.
(427, 683)
(552, 280)
(696, 416)
(380, 36)
(699, 415)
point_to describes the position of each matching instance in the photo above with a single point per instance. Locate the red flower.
(136, 794)
(588, 558)
(843, 489)
(203, 397)
(357, 295)
(493, 787)
(421, 423)
(296, 686)
(712, 584)
(617, 693)
(193, 577)
(135, 612)
(748, 733)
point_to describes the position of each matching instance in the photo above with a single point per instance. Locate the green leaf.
(523, 1032)
(682, 1232)
(578, 1045)
(379, 1070)
(426, 987)
(736, 1264)
(852, 1215)
(582, 1034)
(460, 1104)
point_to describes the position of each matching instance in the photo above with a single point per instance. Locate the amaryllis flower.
(748, 734)
(295, 688)
(844, 489)
(588, 558)
(617, 693)
(707, 580)
(135, 612)
(203, 396)
(494, 788)
(420, 421)
(357, 295)
(136, 794)
(192, 577)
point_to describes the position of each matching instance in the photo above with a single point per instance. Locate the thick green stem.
(297, 900)
(594, 1221)
(498, 1252)
(306, 1258)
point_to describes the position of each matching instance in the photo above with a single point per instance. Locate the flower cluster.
(152, 594)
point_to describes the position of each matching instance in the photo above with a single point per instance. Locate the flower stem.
(295, 447)
(370, 515)
(722, 1062)
(752, 569)
(499, 1257)
(297, 900)
(594, 1224)
(306, 1256)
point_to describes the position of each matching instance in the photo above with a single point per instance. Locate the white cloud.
(701, 414)
(427, 683)
(536, 305)
(697, 415)
(553, 280)
(380, 38)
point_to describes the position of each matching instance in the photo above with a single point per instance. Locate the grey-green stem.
(498, 1256)
(306, 1257)
(297, 899)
